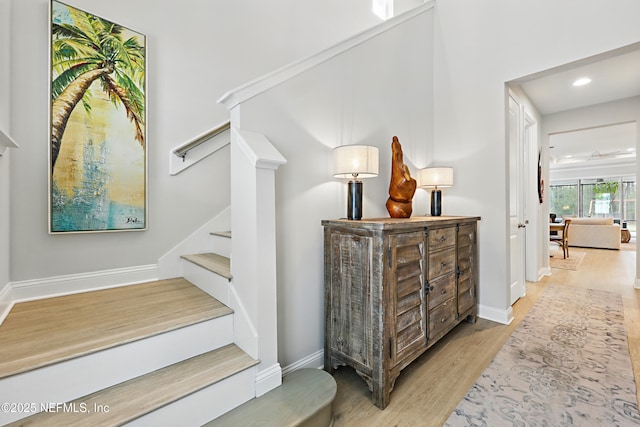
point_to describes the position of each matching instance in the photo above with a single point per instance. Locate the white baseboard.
(6, 302)
(48, 287)
(545, 271)
(268, 379)
(491, 313)
(315, 360)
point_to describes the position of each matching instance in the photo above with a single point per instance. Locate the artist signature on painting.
(133, 220)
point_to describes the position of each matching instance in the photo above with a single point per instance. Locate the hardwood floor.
(42, 332)
(429, 390)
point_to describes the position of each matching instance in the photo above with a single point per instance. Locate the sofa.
(594, 233)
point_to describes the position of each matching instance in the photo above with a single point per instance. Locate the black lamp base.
(436, 202)
(354, 200)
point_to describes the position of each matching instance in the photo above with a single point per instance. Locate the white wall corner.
(496, 315)
(268, 378)
(637, 284)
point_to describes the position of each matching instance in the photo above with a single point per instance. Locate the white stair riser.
(65, 381)
(204, 405)
(220, 245)
(211, 283)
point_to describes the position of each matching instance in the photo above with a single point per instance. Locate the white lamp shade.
(436, 177)
(358, 160)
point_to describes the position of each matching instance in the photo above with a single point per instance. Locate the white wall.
(4, 160)
(379, 89)
(197, 50)
(479, 46)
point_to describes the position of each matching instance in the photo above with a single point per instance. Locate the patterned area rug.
(571, 263)
(566, 364)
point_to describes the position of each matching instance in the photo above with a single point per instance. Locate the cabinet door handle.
(444, 319)
(443, 238)
(427, 288)
(443, 265)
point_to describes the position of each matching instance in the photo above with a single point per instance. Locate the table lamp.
(355, 161)
(436, 178)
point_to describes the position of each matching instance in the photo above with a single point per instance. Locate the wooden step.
(226, 234)
(215, 263)
(304, 399)
(134, 398)
(45, 332)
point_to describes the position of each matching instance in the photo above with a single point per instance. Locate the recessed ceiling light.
(582, 81)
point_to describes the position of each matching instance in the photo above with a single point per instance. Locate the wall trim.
(240, 94)
(314, 360)
(48, 287)
(495, 315)
(6, 303)
(268, 379)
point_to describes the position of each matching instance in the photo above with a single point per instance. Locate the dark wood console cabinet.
(393, 288)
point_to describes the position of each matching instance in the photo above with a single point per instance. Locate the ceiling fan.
(594, 156)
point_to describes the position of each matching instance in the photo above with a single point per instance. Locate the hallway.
(429, 390)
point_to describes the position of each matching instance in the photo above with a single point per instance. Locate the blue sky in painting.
(60, 13)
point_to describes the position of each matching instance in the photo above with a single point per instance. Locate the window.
(564, 199)
(603, 198)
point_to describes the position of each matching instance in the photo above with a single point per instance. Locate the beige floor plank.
(428, 390)
(38, 333)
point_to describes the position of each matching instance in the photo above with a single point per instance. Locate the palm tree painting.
(97, 121)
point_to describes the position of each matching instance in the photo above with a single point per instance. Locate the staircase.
(160, 353)
(157, 353)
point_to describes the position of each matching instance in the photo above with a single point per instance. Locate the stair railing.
(219, 135)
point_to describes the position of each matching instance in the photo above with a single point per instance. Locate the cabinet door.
(348, 298)
(466, 268)
(406, 282)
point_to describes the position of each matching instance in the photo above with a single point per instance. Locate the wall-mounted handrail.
(6, 142)
(184, 149)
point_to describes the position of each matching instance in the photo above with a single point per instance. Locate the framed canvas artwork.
(97, 150)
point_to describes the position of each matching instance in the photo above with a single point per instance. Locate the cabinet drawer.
(442, 262)
(441, 238)
(441, 289)
(442, 318)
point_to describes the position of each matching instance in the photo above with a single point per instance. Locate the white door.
(517, 223)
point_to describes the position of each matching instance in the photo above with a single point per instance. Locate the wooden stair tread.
(226, 234)
(305, 394)
(213, 262)
(139, 396)
(43, 332)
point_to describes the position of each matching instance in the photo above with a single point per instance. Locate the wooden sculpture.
(402, 186)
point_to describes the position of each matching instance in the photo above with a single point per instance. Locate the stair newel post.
(254, 161)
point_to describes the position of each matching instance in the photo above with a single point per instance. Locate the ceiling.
(614, 75)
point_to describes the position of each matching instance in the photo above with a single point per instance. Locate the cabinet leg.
(380, 395)
(471, 318)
